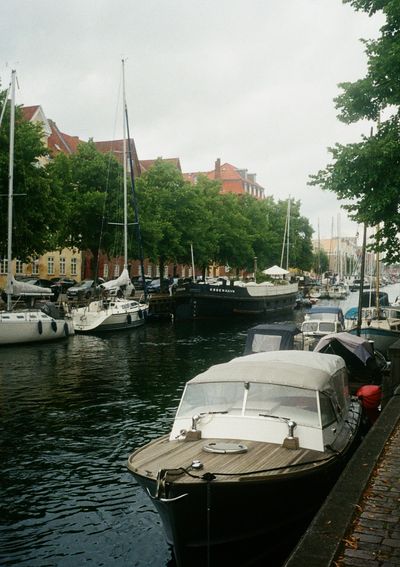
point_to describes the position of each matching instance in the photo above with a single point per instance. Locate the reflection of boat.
(25, 325)
(202, 300)
(115, 313)
(364, 364)
(267, 432)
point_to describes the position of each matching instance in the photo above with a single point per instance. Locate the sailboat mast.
(10, 191)
(125, 170)
(134, 200)
(288, 236)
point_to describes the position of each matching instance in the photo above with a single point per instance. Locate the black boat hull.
(205, 301)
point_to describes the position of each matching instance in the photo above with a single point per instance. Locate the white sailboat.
(112, 313)
(24, 325)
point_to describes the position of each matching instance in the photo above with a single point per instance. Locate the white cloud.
(249, 81)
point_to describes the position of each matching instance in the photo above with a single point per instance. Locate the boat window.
(328, 414)
(212, 397)
(326, 327)
(309, 326)
(264, 343)
(297, 404)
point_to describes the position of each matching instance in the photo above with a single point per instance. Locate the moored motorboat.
(365, 365)
(255, 447)
(272, 336)
(319, 321)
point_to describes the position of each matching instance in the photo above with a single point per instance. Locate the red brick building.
(232, 178)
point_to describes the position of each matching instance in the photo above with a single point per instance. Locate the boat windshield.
(297, 404)
(212, 397)
(319, 326)
(274, 400)
(309, 326)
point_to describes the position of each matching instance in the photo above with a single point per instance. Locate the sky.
(251, 82)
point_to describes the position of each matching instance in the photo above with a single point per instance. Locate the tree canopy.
(75, 201)
(38, 213)
(368, 172)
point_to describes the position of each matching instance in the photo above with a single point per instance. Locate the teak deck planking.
(164, 454)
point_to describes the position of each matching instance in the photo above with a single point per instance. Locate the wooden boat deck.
(260, 459)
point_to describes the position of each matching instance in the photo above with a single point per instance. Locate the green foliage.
(367, 173)
(38, 210)
(75, 201)
(91, 184)
(225, 229)
(320, 262)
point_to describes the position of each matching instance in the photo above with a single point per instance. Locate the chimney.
(218, 169)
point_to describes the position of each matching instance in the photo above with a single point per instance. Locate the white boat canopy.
(300, 369)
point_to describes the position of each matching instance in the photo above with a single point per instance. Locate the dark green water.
(70, 414)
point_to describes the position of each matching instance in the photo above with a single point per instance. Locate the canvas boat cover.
(15, 287)
(122, 280)
(301, 369)
(268, 337)
(358, 346)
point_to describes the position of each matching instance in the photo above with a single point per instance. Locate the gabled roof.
(60, 142)
(29, 111)
(35, 114)
(56, 140)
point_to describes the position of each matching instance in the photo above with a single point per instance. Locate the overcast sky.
(249, 81)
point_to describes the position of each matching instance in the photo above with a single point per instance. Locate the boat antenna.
(134, 196)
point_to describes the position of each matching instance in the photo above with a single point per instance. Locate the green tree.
(165, 207)
(368, 172)
(203, 230)
(38, 211)
(91, 184)
(320, 262)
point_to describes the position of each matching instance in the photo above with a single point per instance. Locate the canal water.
(70, 414)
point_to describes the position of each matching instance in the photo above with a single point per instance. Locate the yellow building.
(64, 263)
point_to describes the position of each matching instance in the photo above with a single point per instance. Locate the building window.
(116, 271)
(19, 267)
(73, 267)
(62, 266)
(50, 265)
(3, 266)
(35, 267)
(105, 271)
